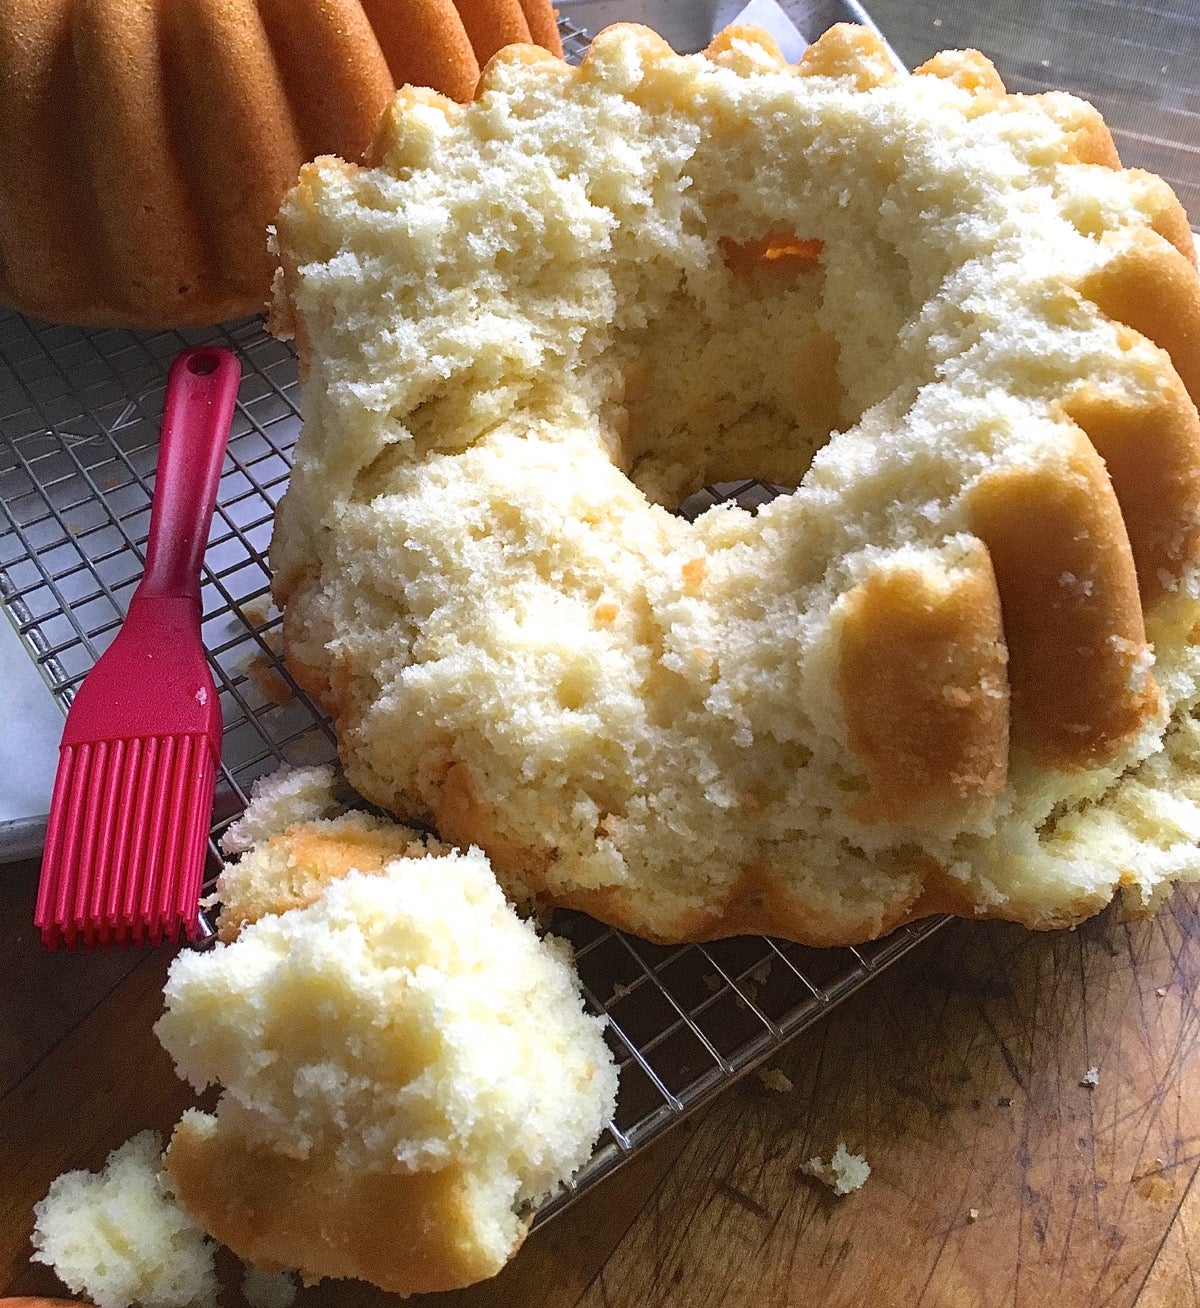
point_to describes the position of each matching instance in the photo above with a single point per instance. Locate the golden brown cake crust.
(923, 681)
(1151, 451)
(303, 860)
(1148, 283)
(425, 44)
(1072, 616)
(314, 1207)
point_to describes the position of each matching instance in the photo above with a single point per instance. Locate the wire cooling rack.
(79, 415)
(79, 418)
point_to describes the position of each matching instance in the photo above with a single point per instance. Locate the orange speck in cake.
(780, 248)
(694, 573)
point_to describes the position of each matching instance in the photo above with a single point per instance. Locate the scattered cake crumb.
(1153, 1183)
(843, 1173)
(256, 613)
(972, 1214)
(269, 682)
(774, 1079)
(1090, 1078)
(287, 796)
(1161, 992)
(118, 1236)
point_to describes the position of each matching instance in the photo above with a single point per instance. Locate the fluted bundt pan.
(145, 145)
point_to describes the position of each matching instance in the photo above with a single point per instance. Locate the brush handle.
(197, 411)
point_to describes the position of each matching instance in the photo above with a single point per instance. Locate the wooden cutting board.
(998, 1177)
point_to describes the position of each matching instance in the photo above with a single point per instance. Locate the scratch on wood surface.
(740, 1197)
(1089, 1142)
(1165, 1048)
(1005, 1053)
(1175, 1231)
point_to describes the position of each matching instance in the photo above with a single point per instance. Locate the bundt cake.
(953, 670)
(145, 145)
(406, 1067)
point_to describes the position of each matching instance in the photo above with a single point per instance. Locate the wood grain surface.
(998, 1177)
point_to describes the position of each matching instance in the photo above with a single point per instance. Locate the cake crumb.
(1161, 992)
(119, 1237)
(1157, 1166)
(256, 613)
(1090, 1078)
(269, 683)
(972, 1214)
(774, 1079)
(843, 1173)
(280, 800)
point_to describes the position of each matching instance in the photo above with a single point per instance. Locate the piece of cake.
(406, 1067)
(118, 1236)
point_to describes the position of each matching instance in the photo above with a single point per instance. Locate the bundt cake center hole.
(735, 381)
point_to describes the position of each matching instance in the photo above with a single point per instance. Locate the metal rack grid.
(79, 414)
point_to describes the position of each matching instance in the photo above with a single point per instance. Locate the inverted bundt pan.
(145, 145)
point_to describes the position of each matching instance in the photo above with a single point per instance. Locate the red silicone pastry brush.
(129, 818)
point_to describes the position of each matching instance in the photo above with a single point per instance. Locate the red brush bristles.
(127, 842)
